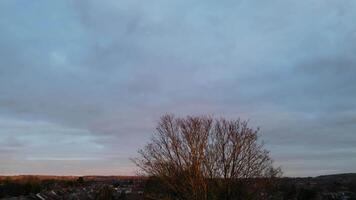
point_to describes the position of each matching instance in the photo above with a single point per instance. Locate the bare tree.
(200, 158)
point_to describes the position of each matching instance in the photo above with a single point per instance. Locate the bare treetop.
(199, 149)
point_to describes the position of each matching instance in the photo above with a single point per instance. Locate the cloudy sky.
(83, 83)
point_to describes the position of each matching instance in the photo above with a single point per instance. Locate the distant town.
(329, 187)
(71, 188)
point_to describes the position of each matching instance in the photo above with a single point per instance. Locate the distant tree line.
(33, 185)
(16, 188)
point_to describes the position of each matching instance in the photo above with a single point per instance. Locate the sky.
(83, 83)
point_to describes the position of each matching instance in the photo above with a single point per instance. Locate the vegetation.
(105, 193)
(201, 158)
(32, 184)
(17, 188)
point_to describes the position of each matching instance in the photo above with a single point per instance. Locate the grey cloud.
(103, 72)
